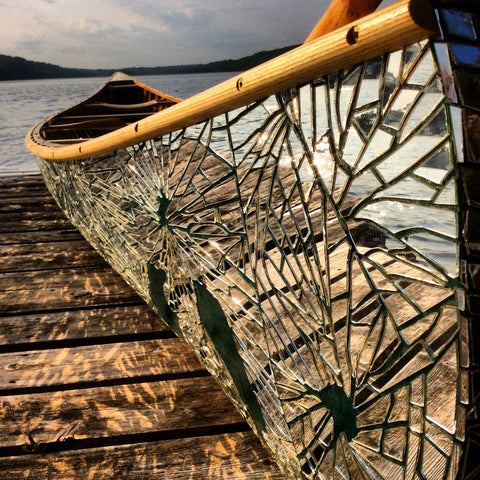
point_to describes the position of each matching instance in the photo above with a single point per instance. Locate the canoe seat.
(81, 130)
(93, 124)
(151, 105)
(127, 117)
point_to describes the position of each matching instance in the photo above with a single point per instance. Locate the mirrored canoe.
(310, 229)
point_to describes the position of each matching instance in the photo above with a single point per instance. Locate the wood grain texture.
(96, 363)
(62, 289)
(127, 410)
(48, 255)
(73, 326)
(229, 456)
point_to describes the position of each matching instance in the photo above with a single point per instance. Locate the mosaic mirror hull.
(317, 251)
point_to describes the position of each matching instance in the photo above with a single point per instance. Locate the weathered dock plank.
(48, 255)
(236, 455)
(78, 326)
(93, 364)
(102, 412)
(21, 237)
(34, 221)
(29, 291)
(92, 383)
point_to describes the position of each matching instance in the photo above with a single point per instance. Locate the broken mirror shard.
(307, 248)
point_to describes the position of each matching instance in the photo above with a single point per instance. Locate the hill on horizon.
(18, 68)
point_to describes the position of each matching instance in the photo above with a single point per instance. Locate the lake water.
(25, 103)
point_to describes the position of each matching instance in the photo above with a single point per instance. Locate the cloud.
(120, 33)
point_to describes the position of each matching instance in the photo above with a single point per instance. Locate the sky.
(143, 33)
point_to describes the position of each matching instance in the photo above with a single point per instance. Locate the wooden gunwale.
(406, 22)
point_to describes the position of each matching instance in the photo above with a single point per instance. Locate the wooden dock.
(92, 384)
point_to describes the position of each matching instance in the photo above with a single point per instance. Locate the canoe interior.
(119, 102)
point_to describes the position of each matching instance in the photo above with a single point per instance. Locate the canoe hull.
(307, 247)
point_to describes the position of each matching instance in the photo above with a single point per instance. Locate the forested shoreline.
(18, 68)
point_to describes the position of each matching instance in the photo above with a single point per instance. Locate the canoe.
(310, 229)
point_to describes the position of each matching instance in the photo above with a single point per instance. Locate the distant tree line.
(18, 68)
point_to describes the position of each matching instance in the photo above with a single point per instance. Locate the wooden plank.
(28, 181)
(48, 255)
(65, 367)
(24, 196)
(75, 325)
(22, 193)
(237, 455)
(62, 289)
(69, 233)
(104, 412)
(21, 181)
(21, 203)
(34, 222)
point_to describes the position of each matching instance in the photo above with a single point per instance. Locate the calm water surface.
(25, 103)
